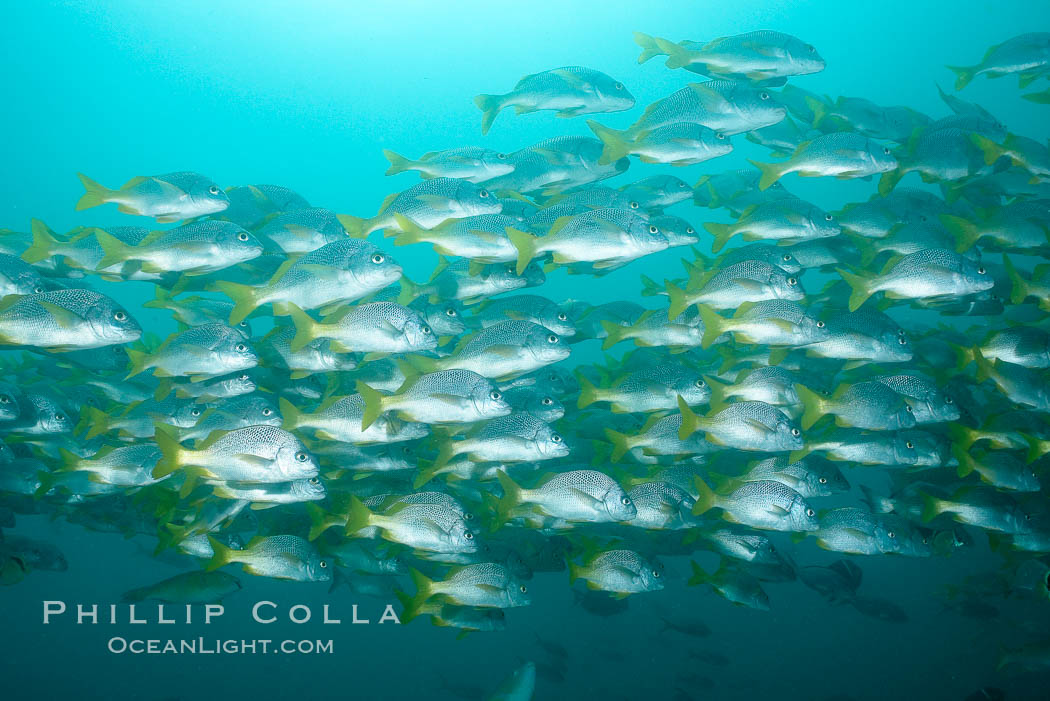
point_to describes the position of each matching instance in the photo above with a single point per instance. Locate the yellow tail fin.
(94, 194)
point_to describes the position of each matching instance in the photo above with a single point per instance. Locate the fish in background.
(318, 415)
(571, 90)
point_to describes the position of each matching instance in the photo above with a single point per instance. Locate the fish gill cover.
(817, 443)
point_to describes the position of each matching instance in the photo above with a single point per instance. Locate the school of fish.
(320, 417)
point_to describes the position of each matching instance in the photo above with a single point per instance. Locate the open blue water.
(307, 94)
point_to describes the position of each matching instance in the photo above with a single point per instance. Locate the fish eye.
(907, 408)
(980, 271)
(792, 281)
(378, 258)
(626, 501)
(552, 339)
(786, 257)
(547, 401)
(468, 535)
(949, 400)
(38, 290)
(891, 534)
(633, 205)
(243, 236)
(60, 417)
(4, 399)
(120, 316)
(501, 156)
(323, 564)
(810, 48)
(555, 438)
(618, 86)
(243, 324)
(469, 517)
(314, 480)
(524, 589)
(763, 95)
(699, 384)
(214, 189)
(828, 217)
(886, 150)
(690, 230)
(653, 229)
(242, 378)
(496, 396)
(483, 193)
(425, 329)
(823, 480)
(563, 316)
(451, 311)
(240, 348)
(810, 512)
(267, 411)
(720, 136)
(656, 574)
(795, 432)
(820, 324)
(301, 456)
(909, 445)
(510, 271)
(195, 412)
(902, 340)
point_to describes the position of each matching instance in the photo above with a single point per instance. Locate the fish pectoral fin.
(748, 284)
(631, 575)
(789, 480)
(759, 426)
(777, 511)
(489, 588)
(253, 460)
(570, 78)
(316, 268)
(450, 399)
(784, 325)
(488, 236)
(62, 316)
(584, 497)
(196, 350)
(855, 533)
(435, 201)
(300, 232)
(503, 351)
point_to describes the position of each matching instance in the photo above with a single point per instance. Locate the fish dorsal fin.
(137, 180)
(387, 201)
(743, 309)
(210, 440)
(280, 272)
(441, 267)
(558, 225)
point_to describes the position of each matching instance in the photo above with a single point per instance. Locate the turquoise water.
(307, 95)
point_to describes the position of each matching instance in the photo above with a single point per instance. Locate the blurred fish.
(571, 90)
(166, 198)
(188, 588)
